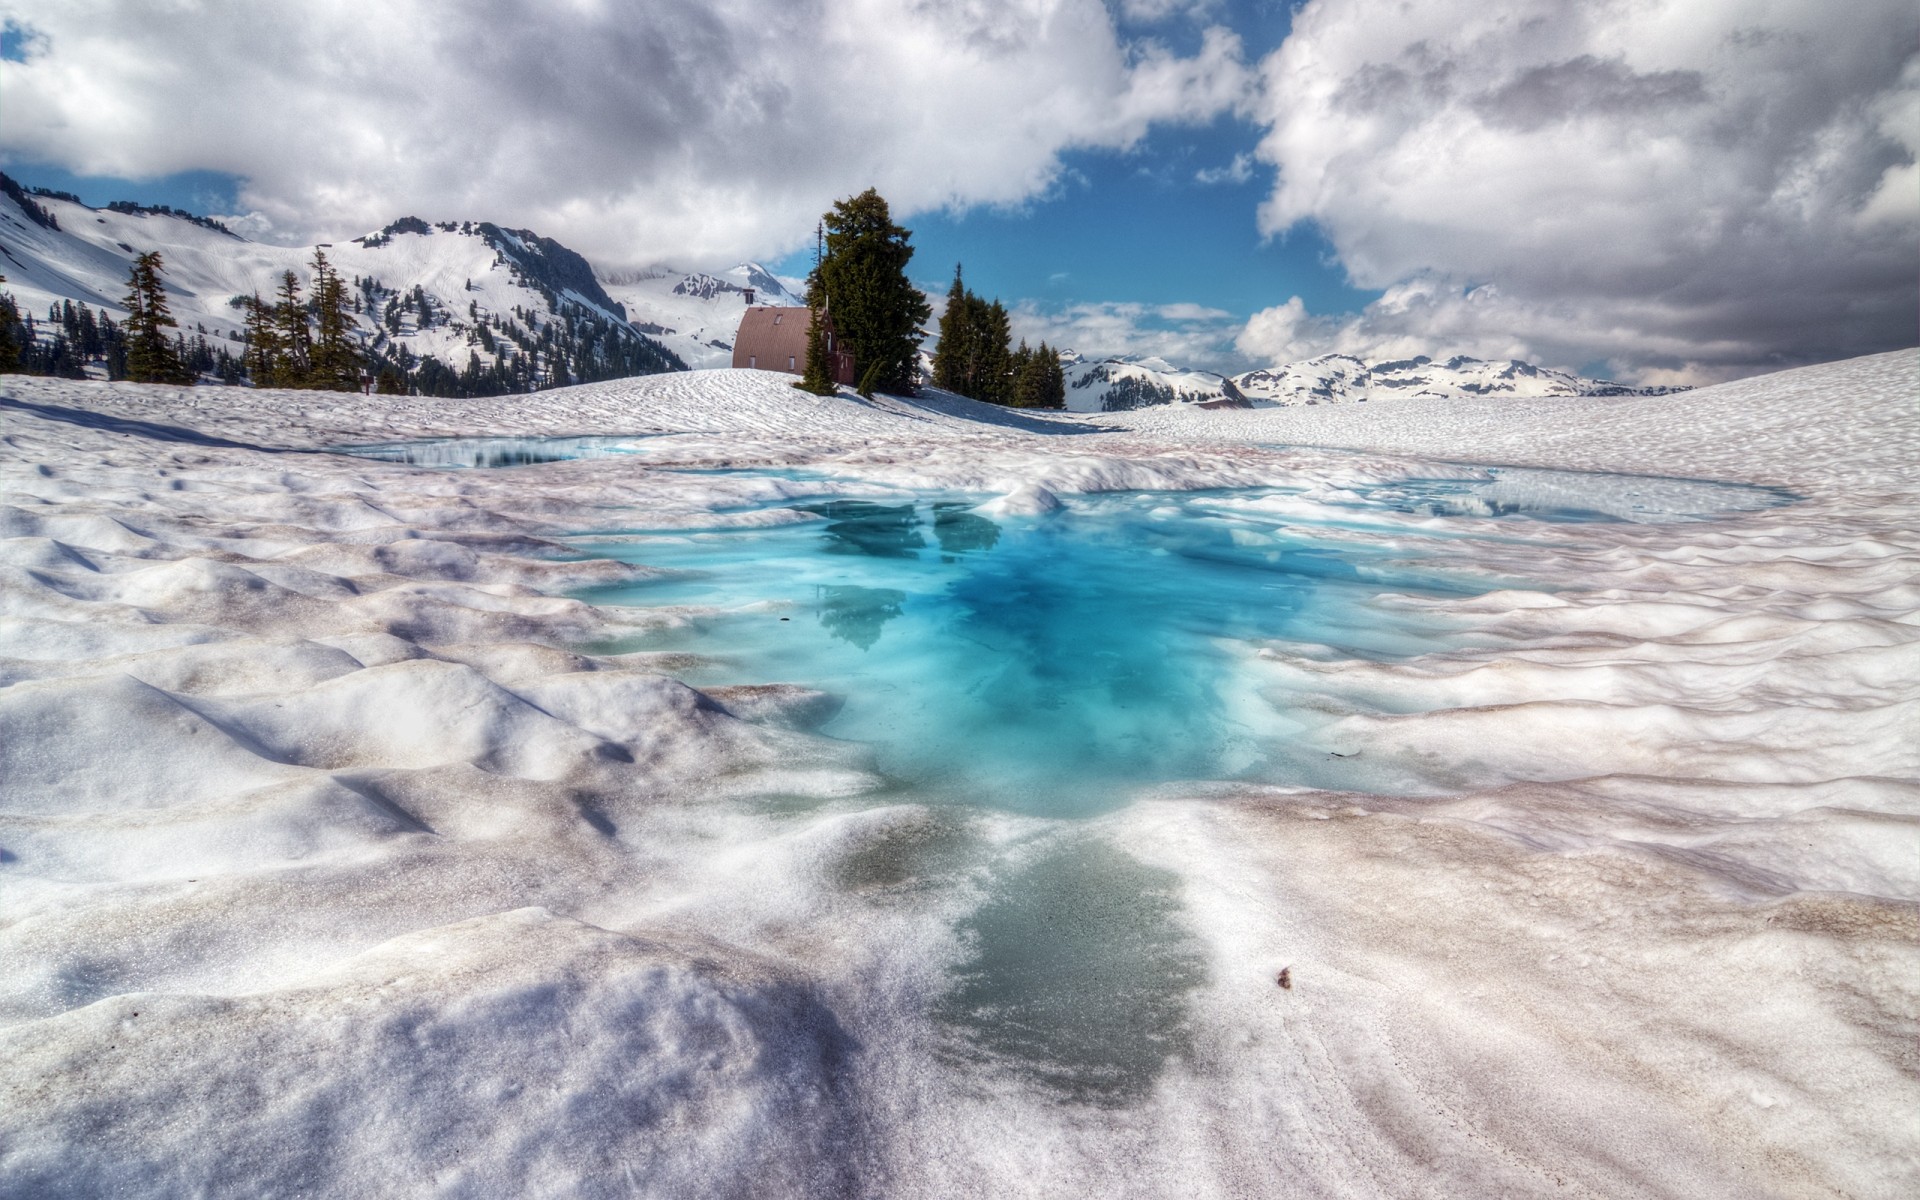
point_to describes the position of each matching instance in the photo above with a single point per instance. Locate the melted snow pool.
(1051, 665)
(1054, 664)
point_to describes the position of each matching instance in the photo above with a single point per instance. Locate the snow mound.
(520, 1053)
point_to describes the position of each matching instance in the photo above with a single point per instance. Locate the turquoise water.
(1046, 665)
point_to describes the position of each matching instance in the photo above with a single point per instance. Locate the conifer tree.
(877, 312)
(151, 357)
(818, 378)
(1028, 378)
(951, 358)
(1053, 393)
(994, 365)
(9, 346)
(335, 356)
(263, 351)
(296, 347)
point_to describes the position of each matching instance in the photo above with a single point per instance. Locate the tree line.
(78, 337)
(859, 281)
(974, 358)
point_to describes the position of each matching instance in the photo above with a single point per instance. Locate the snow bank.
(341, 850)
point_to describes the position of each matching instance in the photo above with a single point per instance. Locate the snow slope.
(345, 853)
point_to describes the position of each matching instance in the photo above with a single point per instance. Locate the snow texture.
(341, 852)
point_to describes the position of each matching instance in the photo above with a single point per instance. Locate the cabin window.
(789, 362)
(753, 360)
(776, 318)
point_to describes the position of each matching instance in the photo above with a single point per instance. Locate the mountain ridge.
(530, 311)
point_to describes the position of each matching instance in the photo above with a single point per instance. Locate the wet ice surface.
(1054, 666)
(496, 451)
(1049, 665)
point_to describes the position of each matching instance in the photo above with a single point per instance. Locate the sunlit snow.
(740, 792)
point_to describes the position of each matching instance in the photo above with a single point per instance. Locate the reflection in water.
(959, 529)
(878, 530)
(1078, 975)
(857, 614)
(1041, 665)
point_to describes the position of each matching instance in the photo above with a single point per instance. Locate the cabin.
(775, 339)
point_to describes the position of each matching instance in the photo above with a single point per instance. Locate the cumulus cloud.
(1693, 188)
(1187, 334)
(631, 129)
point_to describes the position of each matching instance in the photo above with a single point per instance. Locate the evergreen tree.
(994, 362)
(9, 343)
(1029, 378)
(1053, 393)
(151, 357)
(263, 353)
(336, 356)
(877, 312)
(818, 378)
(295, 360)
(952, 357)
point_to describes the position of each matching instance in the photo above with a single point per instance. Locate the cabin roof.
(772, 335)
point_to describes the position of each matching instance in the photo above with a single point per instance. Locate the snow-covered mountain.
(1114, 384)
(696, 314)
(462, 293)
(1342, 379)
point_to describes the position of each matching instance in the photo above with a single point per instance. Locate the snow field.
(423, 878)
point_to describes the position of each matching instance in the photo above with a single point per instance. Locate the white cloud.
(1703, 187)
(629, 129)
(1185, 334)
(1238, 171)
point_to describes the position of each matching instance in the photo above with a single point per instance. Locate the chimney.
(749, 292)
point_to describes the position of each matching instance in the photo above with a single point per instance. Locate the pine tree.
(295, 360)
(335, 356)
(818, 378)
(1054, 392)
(9, 344)
(952, 357)
(877, 312)
(263, 351)
(151, 357)
(1029, 378)
(993, 369)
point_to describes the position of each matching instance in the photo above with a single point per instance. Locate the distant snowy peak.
(1343, 379)
(1125, 382)
(1115, 384)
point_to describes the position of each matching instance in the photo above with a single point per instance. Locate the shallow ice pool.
(1047, 665)
(1052, 665)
